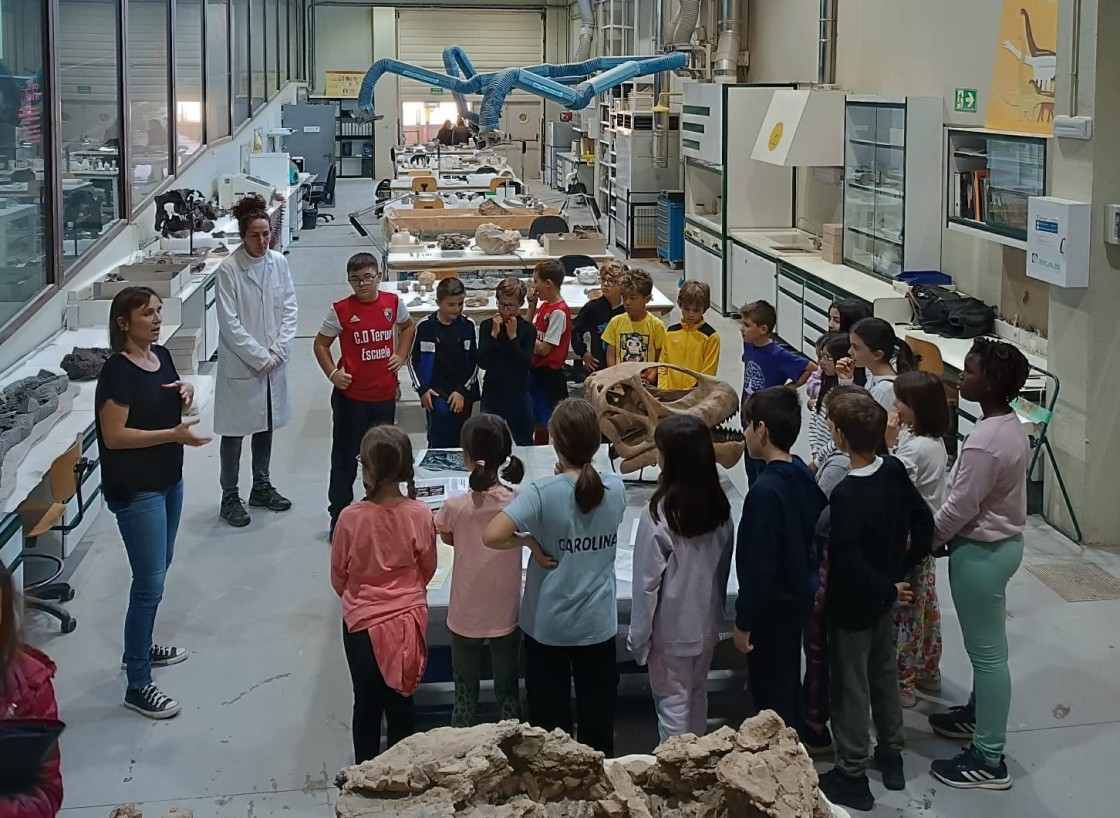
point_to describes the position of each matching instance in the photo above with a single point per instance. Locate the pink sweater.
(987, 496)
(382, 559)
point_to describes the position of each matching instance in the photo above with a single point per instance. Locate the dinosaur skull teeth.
(629, 411)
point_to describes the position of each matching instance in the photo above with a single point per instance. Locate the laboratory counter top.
(418, 257)
(36, 461)
(539, 463)
(848, 279)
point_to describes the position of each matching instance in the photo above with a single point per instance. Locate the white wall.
(201, 175)
(898, 48)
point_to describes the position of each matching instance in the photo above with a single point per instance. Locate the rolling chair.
(425, 184)
(547, 224)
(487, 169)
(322, 195)
(574, 262)
(65, 477)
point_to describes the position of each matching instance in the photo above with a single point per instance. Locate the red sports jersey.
(559, 354)
(367, 344)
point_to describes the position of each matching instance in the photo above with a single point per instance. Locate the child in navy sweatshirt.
(505, 351)
(774, 558)
(869, 556)
(444, 366)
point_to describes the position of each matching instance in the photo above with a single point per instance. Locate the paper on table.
(624, 557)
(445, 559)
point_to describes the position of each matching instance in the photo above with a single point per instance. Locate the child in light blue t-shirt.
(569, 613)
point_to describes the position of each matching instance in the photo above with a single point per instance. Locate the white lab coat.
(257, 315)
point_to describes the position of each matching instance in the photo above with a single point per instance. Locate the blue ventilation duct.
(549, 81)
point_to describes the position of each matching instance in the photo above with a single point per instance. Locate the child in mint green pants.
(982, 523)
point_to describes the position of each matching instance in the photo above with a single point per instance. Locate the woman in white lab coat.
(256, 325)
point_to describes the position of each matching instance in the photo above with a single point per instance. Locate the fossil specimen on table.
(84, 363)
(491, 208)
(495, 241)
(25, 403)
(453, 241)
(511, 770)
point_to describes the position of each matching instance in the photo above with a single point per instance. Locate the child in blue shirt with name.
(569, 613)
(766, 363)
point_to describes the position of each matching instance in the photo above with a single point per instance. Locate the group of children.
(817, 570)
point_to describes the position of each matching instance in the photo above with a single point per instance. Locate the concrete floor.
(266, 695)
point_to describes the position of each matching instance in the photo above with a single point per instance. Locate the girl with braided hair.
(382, 557)
(981, 523)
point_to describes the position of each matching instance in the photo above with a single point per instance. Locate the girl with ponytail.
(486, 584)
(382, 557)
(876, 349)
(569, 612)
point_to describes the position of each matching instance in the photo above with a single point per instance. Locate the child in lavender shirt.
(682, 560)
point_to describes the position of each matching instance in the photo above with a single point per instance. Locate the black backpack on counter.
(950, 314)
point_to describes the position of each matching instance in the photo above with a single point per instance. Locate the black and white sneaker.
(162, 656)
(969, 771)
(149, 701)
(959, 722)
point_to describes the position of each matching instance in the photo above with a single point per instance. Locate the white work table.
(79, 420)
(539, 463)
(573, 293)
(477, 182)
(421, 257)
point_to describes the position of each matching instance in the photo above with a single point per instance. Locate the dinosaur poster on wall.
(1026, 67)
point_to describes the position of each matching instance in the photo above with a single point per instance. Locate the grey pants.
(863, 669)
(230, 457)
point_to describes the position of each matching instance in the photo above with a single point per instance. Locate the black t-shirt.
(127, 472)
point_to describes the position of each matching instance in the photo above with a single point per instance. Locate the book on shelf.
(979, 194)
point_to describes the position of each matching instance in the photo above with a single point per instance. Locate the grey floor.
(266, 695)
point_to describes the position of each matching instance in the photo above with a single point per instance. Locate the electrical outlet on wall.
(1112, 223)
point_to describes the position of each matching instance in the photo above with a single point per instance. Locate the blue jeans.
(516, 410)
(148, 524)
(445, 426)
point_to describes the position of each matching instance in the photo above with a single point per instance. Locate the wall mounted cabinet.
(724, 189)
(990, 177)
(892, 184)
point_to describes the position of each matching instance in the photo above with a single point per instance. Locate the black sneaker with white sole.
(969, 771)
(162, 656)
(958, 722)
(149, 701)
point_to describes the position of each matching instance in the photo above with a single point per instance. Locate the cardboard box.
(167, 280)
(570, 244)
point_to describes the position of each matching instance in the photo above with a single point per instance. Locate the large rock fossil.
(494, 241)
(24, 403)
(453, 241)
(511, 770)
(491, 208)
(630, 409)
(85, 363)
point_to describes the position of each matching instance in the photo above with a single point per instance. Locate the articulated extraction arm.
(572, 85)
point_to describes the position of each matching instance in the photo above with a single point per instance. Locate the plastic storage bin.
(670, 226)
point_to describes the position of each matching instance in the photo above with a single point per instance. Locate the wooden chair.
(414, 173)
(427, 204)
(65, 478)
(929, 360)
(425, 184)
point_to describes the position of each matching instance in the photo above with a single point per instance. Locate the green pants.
(505, 661)
(978, 576)
(863, 677)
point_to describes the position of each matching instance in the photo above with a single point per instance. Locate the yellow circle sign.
(776, 135)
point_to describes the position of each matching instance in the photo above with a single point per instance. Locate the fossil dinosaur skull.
(629, 411)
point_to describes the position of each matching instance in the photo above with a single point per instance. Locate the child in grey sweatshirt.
(682, 560)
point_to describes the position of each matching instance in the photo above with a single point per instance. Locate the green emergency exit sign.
(435, 91)
(964, 100)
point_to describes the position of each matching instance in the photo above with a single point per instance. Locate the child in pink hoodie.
(382, 558)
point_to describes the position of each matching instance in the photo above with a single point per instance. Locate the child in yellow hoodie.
(693, 343)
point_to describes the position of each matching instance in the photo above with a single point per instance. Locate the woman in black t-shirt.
(140, 434)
